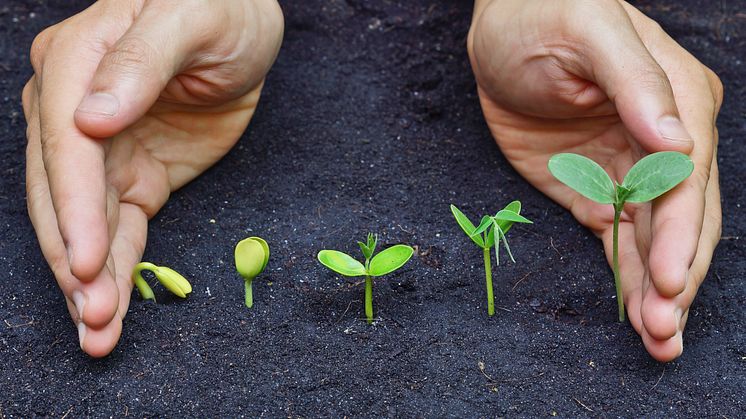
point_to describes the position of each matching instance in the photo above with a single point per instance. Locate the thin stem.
(249, 296)
(142, 285)
(488, 279)
(615, 261)
(369, 298)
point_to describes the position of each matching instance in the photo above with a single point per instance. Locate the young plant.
(170, 279)
(251, 255)
(490, 231)
(381, 264)
(648, 179)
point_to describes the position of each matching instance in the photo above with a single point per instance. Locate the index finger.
(73, 161)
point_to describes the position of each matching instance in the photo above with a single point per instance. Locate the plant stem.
(249, 297)
(615, 261)
(369, 298)
(488, 278)
(145, 291)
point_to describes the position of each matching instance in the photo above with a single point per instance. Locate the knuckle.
(718, 90)
(701, 178)
(27, 98)
(39, 48)
(652, 78)
(131, 55)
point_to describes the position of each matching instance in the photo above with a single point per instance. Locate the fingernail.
(671, 128)
(678, 313)
(99, 104)
(81, 333)
(79, 300)
(681, 343)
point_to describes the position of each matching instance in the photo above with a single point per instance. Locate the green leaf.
(265, 246)
(505, 243)
(466, 225)
(365, 249)
(173, 281)
(251, 257)
(390, 260)
(372, 243)
(656, 174)
(483, 225)
(584, 176)
(512, 217)
(514, 206)
(341, 263)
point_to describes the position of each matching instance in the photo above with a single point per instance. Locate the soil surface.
(369, 121)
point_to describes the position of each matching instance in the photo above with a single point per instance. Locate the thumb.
(637, 85)
(132, 74)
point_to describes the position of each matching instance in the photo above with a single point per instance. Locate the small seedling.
(170, 279)
(252, 255)
(490, 231)
(381, 264)
(648, 179)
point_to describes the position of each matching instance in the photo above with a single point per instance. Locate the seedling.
(490, 231)
(252, 255)
(381, 264)
(648, 179)
(170, 279)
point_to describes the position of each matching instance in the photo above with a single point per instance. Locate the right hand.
(129, 101)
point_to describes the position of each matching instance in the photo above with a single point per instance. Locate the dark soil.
(370, 122)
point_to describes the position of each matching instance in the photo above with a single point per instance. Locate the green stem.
(615, 261)
(249, 297)
(369, 298)
(142, 286)
(488, 278)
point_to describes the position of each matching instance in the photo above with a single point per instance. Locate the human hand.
(129, 101)
(599, 78)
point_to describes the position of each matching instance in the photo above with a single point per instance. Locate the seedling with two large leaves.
(648, 179)
(381, 264)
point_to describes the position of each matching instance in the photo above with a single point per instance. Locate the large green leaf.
(656, 174)
(584, 176)
(341, 263)
(390, 260)
(466, 225)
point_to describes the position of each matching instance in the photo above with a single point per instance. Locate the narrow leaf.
(483, 225)
(514, 206)
(656, 174)
(584, 176)
(365, 249)
(372, 243)
(466, 225)
(507, 247)
(390, 260)
(341, 263)
(511, 216)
